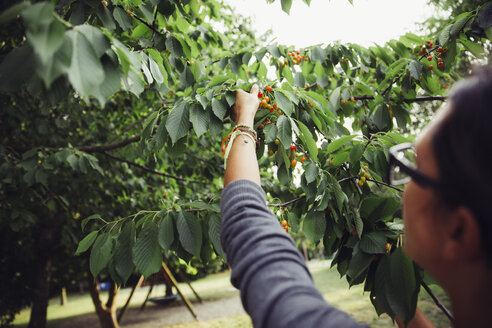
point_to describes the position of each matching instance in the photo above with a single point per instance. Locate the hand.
(244, 110)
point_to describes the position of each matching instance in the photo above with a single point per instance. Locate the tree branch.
(146, 169)
(372, 180)
(438, 303)
(132, 14)
(106, 147)
(287, 203)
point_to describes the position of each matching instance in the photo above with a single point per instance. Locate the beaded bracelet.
(231, 141)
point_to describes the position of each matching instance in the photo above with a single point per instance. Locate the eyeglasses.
(403, 167)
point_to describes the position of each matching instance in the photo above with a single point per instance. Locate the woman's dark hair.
(462, 143)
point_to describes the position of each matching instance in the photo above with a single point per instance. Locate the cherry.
(260, 94)
(293, 148)
(277, 141)
(293, 163)
(429, 58)
(440, 64)
(270, 153)
(269, 89)
(284, 223)
(267, 99)
(431, 67)
(261, 126)
(303, 159)
(439, 49)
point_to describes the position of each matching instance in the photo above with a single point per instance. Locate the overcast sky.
(325, 21)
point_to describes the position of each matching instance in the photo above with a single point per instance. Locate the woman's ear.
(463, 240)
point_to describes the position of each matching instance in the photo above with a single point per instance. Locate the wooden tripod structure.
(174, 282)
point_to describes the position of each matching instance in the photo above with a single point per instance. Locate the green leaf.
(156, 71)
(286, 4)
(123, 19)
(373, 242)
(219, 108)
(314, 226)
(402, 287)
(359, 262)
(47, 39)
(218, 79)
(178, 122)
(284, 103)
(111, 83)
(13, 11)
(340, 196)
(87, 242)
(96, 38)
(100, 254)
(308, 140)
(174, 46)
(56, 65)
(149, 124)
(476, 49)
(123, 260)
(336, 144)
(86, 220)
(190, 233)
(270, 131)
(311, 172)
(86, 72)
(318, 54)
(38, 16)
(166, 232)
(284, 131)
(445, 35)
(415, 69)
(356, 152)
(146, 252)
(335, 100)
(199, 118)
(214, 226)
(377, 208)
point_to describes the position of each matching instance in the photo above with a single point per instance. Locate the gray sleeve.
(277, 289)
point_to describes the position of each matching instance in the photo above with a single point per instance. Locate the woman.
(446, 219)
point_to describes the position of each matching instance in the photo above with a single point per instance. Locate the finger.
(254, 89)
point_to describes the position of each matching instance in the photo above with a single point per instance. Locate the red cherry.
(439, 49)
(440, 64)
(431, 67)
(293, 147)
(429, 58)
(269, 88)
(260, 94)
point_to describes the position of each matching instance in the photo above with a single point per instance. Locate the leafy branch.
(146, 169)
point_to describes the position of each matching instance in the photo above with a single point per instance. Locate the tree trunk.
(105, 312)
(41, 296)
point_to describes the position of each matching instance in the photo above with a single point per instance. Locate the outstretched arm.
(242, 162)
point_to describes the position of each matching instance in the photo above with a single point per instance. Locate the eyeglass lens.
(408, 158)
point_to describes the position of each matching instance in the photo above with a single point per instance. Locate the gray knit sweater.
(277, 289)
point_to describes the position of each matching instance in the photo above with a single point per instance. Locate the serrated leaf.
(173, 45)
(373, 242)
(190, 233)
(199, 118)
(178, 122)
(335, 100)
(336, 144)
(100, 254)
(123, 260)
(476, 49)
(310, 172)
(219, 108)
(415, 69)
(314, 226)
(270, 131)
(284, 103)
(47, 39)
(57, 65)
(87, 242)
(166, 232)
(214, 226)
(308, 140)
(86, 72)
(284, 131)
(146, 252)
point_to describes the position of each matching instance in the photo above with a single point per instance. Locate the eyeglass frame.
(407, 167)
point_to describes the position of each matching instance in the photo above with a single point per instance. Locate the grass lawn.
(217, 286)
